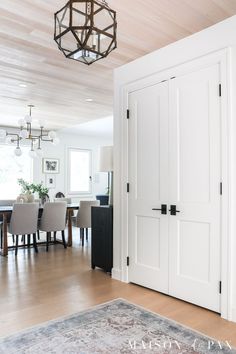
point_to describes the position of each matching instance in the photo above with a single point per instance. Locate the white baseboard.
(234, 315)
(116, 274)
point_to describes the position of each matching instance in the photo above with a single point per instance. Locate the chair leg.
(38, 234)
(13, 238)
(87, 234)
(35, 243)
(48, 240)
(63, 238)
(55, 236)
(16, 247)
(82, 236)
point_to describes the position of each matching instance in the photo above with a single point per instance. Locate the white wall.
(99, 180)
(215, 38)
(70, 140)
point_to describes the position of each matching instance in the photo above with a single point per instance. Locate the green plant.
(32, 188)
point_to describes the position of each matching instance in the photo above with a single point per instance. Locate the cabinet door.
(195, 176)
(148, 178)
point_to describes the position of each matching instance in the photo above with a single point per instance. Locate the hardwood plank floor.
(35, 288)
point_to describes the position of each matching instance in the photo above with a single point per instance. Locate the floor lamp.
(106, 165)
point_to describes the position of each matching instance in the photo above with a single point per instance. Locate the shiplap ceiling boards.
(32, 70)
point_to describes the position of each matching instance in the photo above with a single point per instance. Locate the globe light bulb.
(56, 141)
(21, 122)
(28, 119)
(32, 154)
(39, 152)
(24, 134)
(52, 134)
(18, 151)
(42, 123)
(3, 134)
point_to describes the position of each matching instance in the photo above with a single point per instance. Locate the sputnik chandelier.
(27, 134)
(85, 30)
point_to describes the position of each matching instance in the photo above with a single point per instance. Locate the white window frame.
(78, 193)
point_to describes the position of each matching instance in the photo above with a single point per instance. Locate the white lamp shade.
(106, 159)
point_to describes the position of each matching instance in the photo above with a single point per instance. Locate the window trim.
(79, 193)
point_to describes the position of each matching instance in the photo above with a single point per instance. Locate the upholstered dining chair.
(53, 220)
(83, 218)
(67, 200)
(24, 221)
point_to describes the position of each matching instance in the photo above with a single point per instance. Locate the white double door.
(175, 159)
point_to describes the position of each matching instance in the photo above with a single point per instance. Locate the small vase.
(22, 198)
(30, 197)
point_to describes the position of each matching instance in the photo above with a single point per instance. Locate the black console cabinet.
(102, 238)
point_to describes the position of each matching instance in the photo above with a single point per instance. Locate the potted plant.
(28, 189)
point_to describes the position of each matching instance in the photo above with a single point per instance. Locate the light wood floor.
(38, 288)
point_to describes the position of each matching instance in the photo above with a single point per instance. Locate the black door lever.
(173, 210)
(163, 209)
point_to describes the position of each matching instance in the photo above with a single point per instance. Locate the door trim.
(224, 59)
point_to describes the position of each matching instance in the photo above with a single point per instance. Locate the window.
(12, 168)
(80, 180)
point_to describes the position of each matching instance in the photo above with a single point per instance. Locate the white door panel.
(175, 159)
(195, 175)
(148, 173)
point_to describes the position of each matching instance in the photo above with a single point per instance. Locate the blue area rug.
(110, 328)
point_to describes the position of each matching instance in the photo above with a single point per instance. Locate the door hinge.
(127, 261)
(127, 114)
(220, 287)
(221, 188)
(127, 187)
(220, 90)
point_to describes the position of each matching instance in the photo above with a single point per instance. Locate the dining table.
(6, 211)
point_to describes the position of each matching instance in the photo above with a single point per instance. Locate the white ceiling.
(100, 127)
(59, 87)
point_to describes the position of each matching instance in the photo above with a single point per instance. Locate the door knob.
(173, 210)
(163, 209)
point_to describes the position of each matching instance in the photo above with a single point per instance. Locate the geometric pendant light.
(85, 30)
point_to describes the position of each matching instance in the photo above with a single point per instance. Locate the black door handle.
(173, 210)
(163, 209)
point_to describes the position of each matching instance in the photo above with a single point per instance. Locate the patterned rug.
(112, 328)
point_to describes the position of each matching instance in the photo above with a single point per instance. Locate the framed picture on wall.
(50, 181)
(51, 165)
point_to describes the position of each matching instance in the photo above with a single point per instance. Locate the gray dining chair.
(53, 220)
(68, 200)
(83, 218)
(24, 221)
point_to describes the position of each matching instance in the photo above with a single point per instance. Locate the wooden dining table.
(6, 211)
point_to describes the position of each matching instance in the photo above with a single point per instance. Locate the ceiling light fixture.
(26, 133)
(85, 30)
(22, 85)
(89, 100)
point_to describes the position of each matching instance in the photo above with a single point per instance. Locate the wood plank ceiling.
(59, 87)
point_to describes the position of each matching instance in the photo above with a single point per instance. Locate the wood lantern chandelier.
(85, 30)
